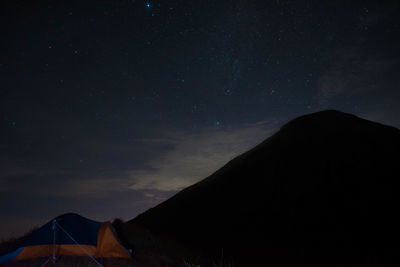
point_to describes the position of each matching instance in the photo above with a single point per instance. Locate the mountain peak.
(333, 122)
(324, 117)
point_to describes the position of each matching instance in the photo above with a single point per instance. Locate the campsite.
(200, 133)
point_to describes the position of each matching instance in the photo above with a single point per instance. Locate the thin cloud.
(352, 73)
(177, 160)
(195, 156)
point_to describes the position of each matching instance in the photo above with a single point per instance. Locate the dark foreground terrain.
(322, 191)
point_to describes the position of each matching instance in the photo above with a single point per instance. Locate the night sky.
(109, 107)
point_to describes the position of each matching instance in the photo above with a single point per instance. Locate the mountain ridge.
(315, 177)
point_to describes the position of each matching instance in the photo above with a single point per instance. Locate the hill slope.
(323, 190)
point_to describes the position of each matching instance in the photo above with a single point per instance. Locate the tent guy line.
(78, 236)
(55, 224)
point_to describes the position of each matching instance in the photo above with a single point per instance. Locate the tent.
(71, 235)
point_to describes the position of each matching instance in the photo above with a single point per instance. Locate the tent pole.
(54, 241)
(83, 249)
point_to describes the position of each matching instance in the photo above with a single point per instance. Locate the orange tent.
(71, 235)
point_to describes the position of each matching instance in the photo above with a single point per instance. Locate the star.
(148, 5)
(217, 123)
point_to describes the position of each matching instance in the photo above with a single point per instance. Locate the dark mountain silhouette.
(322, 191)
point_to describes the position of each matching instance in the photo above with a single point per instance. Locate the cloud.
(195, 156)
(174, 161)
(359, 67)
(352, 73)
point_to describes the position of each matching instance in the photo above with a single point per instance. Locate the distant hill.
(322, 191)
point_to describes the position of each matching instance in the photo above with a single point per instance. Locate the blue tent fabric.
(82, 229)
(10, 256)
